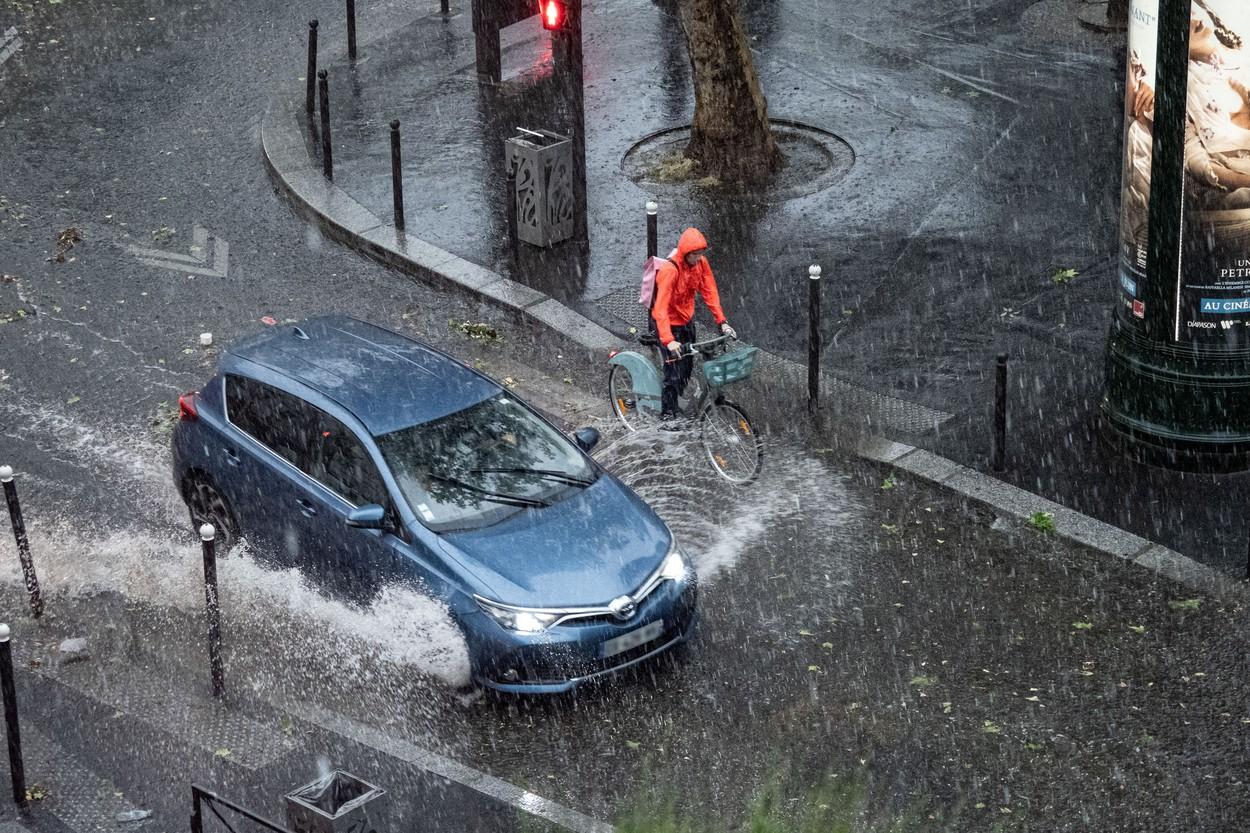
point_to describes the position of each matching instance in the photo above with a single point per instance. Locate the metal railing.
(201, 798)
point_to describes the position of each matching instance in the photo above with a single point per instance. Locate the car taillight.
(186, 407)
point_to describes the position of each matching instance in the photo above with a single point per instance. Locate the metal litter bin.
(543, 162)
(335, 803)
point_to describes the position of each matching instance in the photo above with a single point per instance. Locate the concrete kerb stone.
(1018, 504)
(354, 225)
(344, 219)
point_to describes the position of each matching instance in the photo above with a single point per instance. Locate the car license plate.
(633, 639)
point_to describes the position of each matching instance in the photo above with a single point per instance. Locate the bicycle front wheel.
(632, 414)
(733, 448)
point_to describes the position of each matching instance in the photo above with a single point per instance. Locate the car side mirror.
(586, 438)
(369, 516)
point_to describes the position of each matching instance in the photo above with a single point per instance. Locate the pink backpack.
(646, 295)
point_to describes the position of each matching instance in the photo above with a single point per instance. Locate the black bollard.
(813, 338)
(16, 767)
(444, 7)
(207, 534)
(1000, 414)
(653, 229)
(327, 158)
(397, 176)
(23, 543)
(351, 29)
(510, 212)
(310, 102)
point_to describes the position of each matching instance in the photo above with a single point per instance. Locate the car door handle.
(306, 507)
(232, 457)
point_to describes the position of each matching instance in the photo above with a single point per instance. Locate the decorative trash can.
(543, 162)
(335, 803)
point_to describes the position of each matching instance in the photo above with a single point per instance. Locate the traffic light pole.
(569, 65)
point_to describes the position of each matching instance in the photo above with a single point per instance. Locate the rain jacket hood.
(692, 240)
(676, 285)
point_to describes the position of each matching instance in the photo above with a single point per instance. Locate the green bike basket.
(730, 367)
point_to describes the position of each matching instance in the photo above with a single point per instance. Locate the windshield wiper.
(553, 474)
(495, 497)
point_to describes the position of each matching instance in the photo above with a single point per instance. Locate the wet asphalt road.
(885, 636)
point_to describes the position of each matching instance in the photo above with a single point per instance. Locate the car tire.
(207, 505)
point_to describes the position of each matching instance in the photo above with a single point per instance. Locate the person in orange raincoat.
(676, 283)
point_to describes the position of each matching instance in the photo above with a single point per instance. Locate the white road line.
(9, 44)
(196, 263)
(488, 785)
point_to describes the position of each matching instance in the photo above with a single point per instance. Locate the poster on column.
(1213, 287)
(1143, 37)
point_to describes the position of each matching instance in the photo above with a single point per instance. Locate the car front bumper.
(569, 655)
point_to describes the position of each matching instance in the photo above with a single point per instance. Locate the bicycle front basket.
(730, 367)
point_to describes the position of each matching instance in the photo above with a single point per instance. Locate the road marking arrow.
(196, 263)
(9, 44)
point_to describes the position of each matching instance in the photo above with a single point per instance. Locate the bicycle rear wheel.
(733, 448)
(625, 403)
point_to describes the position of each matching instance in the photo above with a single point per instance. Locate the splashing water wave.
(716, 522)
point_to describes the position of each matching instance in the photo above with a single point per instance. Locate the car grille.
(556, 668)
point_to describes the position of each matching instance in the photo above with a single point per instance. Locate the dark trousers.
(676, 373)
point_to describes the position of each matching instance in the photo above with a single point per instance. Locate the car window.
(338, 459)
(275, 418)
(461, 470)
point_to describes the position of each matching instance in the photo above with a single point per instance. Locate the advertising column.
(1178, 358)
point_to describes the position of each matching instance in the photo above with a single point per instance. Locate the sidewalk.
(977, 176)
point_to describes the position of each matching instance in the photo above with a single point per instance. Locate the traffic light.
(552, 13)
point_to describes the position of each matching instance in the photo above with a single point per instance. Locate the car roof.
(388, 381)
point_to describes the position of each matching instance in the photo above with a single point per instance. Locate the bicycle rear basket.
(730, 367)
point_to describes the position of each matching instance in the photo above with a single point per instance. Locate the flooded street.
(874, 652)
(862, 636)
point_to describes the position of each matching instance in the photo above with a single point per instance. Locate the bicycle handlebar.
(694, 347)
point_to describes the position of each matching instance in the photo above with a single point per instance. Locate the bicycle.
(731, 443)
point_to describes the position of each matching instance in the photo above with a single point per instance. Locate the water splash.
(716, 522)
(401, 627)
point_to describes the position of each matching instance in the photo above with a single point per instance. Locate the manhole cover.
(815, 160)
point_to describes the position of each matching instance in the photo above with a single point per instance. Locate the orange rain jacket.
(676, 285)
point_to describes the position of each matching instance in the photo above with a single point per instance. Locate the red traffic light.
(552, 13)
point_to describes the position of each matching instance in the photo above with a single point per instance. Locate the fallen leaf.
(1083, 626)
(632, 744)
(1184, 604)
(223, 752)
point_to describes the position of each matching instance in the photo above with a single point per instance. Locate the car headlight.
(519, 619)
(675, 567)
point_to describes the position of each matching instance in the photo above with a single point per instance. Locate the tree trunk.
(730, 138)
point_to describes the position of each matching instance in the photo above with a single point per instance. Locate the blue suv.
(366, 458)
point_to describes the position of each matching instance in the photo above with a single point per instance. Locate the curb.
(293, 169)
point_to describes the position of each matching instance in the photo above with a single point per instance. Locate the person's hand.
(727, 330)
(1144, 102)
(674, 347)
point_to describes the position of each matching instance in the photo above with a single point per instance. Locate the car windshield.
(477, 466)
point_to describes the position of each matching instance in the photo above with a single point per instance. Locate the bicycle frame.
(648, 382)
